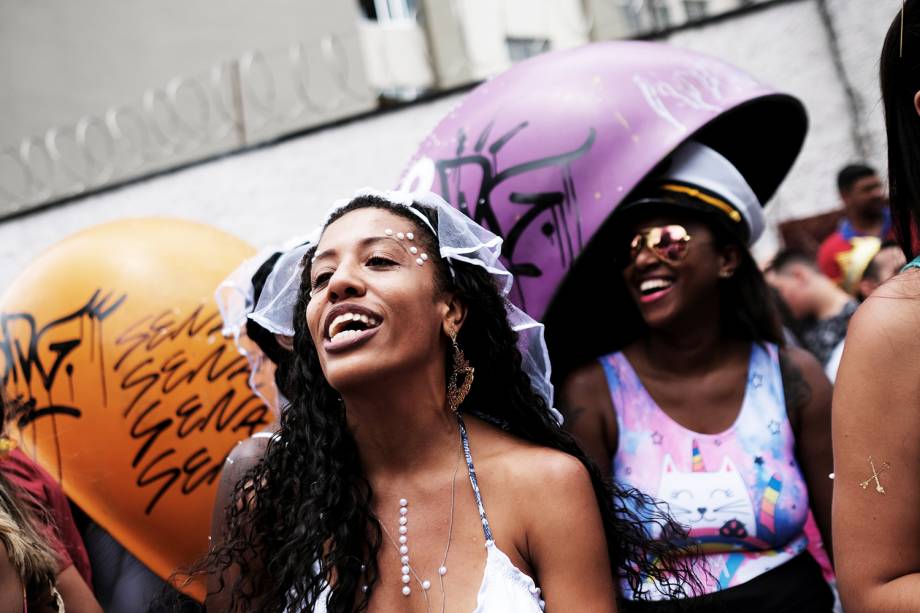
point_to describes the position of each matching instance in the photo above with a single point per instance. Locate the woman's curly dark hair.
(303, 517)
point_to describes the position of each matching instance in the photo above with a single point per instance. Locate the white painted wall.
(787, 48)
(275, 192)
(862, 26)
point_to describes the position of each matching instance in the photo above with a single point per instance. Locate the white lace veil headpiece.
(460, 240)
(235, 298)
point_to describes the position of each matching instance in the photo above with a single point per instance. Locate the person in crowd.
(702, 407)
(867, 265)
(876, 401)
(866, 214)
(871, 266)
(269, 354)
(822, 307)
(43, 565)
(27, 562)
(407, 382)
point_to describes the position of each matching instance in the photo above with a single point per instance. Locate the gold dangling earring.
(457, 391)
(6, 445)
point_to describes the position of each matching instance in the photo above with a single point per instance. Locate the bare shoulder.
(807, 390)
(878, 372)
(585, 402)
(807, 364)
(248, 452)
(243, 457)
(886, 324)
(549, 466)
(525, 468)
(585, 384)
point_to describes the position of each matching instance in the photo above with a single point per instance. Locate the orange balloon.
(138, 399)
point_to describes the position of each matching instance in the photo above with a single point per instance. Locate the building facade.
(254, 118)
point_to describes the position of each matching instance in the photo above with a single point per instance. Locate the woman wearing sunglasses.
(702, 408)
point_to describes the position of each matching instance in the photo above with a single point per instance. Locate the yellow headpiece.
(854, 262)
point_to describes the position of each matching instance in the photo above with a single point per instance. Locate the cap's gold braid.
(723, 206)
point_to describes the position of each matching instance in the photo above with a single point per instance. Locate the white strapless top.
(504, 586)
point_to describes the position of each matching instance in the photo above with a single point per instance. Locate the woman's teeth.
(349, 324)
(346, 334)
(650, 286)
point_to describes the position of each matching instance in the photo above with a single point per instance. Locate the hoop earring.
(6, 445)
(456, 390)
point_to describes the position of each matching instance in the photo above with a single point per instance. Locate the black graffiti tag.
(564, 224)
(24, 364)
(34, 356)
(164, 403)
(171, 396)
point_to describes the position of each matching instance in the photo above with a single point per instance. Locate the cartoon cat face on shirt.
(702, 499)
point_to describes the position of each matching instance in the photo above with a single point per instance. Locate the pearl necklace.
(408, 571)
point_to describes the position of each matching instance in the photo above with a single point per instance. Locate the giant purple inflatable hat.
(545, 152)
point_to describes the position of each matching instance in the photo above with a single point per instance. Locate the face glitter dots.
(400, 236)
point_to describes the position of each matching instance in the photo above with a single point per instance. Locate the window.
(523, 48)
(646, 15)
(696, 9)
(389, 10)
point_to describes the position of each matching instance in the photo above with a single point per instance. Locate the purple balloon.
(543, 153)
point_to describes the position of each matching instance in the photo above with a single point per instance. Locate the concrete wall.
(264, 195)
(787, 46)
(275, 192)
(861, 27)
(96, 93)
(104, 53)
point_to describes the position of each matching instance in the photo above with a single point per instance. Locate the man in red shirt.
(866, 206)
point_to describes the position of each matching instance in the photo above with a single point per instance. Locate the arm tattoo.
(796, 389)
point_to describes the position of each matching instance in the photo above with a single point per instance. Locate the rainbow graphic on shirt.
(768, 503)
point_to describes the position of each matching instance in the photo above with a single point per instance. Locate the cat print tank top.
(740, 493)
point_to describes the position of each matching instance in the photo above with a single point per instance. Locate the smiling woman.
(700, 406)
(407, 368)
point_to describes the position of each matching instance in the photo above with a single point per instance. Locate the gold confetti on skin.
(875, 475)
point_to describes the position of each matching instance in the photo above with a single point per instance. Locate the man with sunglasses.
(701, 407)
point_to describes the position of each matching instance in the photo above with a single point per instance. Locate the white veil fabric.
(235, 298)
(460, 239)
(275, 309)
